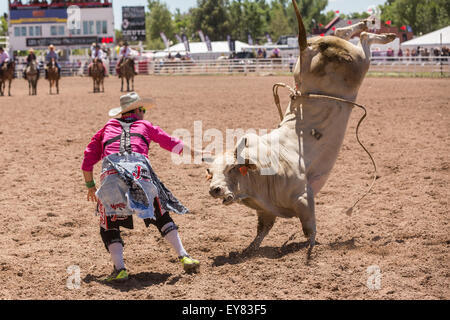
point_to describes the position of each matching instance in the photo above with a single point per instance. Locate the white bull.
(303, 149)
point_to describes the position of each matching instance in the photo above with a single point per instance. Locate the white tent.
(430, 40)
(218, 47)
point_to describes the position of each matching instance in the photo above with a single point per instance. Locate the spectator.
(260, 53)
(436, 52)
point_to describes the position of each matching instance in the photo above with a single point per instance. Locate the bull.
(280, 173)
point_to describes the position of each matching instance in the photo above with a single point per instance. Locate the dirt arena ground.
(46, 224)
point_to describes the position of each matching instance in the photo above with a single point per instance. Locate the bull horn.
(301, 28)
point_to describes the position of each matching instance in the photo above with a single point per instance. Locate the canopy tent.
(430, 40)
(218, 47)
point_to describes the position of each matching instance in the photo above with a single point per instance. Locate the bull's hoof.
(250, 250)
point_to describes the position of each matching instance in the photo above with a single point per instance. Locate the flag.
(250, 39)
(388, 22)
(403, 28)
(178, 38)
(231, 44)
(166, 41)
(202, 36)
(269, 39)
(186, 42)
(208, 43)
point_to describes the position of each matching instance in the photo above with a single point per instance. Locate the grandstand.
(39, 23)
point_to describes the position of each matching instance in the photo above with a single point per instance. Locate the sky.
(344, 6)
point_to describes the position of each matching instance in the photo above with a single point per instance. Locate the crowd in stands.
(419, 53)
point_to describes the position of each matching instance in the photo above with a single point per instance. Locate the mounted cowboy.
(31, 57)
(51, 54)
(4, 58)
(99, 55)
(124, 53)
(7, 71)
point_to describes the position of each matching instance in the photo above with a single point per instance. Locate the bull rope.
(295, 93)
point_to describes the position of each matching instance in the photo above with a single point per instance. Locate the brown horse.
(97, 73)
(7, 74)
(53, 76)
(32, 74)
(127, 72)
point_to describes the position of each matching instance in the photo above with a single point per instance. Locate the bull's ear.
(243, 169)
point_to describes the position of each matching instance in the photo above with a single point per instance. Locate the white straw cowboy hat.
(130, 102)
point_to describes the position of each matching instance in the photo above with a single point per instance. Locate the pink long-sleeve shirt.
(95, 152)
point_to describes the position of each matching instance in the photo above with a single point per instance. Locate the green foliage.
(238, 18)
(3, 26)
(422, 15)
(212, 17)
(279, 24)
(159, 19)
(119, 36)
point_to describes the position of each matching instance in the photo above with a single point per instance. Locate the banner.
(178, 38)
(231, 44)
(202, 36)
(38, 16)
(208, 43)
(67, 41)
(186, 42)
(166, 41)
(250, 39)
(133, 23)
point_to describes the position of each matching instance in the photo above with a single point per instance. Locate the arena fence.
(380, 65)
(411, 65)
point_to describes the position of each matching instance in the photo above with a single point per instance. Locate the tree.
(119, 35)
(254, 19)
(279, 24)
(211, 16)
(158, 20)
(183, 22)
(325, 18)
(422, 15)
(3, 26)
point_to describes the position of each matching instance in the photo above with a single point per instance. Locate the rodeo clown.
(128, 184)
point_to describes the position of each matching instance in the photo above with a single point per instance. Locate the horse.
(97, 73)
(7, 74)
(53, 75)
(32, 75)
(127, 71)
